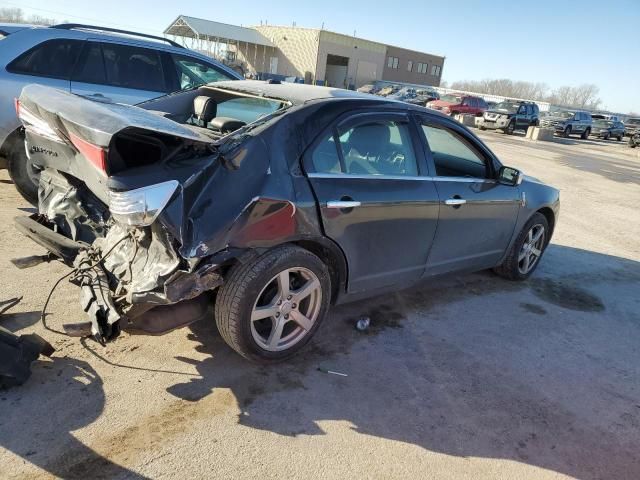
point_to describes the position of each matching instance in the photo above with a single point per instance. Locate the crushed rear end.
(120, 193)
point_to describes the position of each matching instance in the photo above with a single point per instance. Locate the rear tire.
(24, 175)
(513, 266)
(605, 136)
(256, 286)
(586, 134)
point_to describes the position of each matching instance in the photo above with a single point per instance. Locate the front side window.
(453, 155)
(377, 147)
(54, 58)
(133, 67)
(192, 73)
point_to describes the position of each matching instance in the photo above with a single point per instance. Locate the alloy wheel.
(531, 249)
(286, 309)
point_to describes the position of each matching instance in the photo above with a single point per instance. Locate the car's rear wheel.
(587, 132)
(24, 175)
(567, 131)
(270, 307)
(481, 127)
(605, 136)
(525, 253)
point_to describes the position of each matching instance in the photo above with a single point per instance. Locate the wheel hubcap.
(531, 249)
(286, 309)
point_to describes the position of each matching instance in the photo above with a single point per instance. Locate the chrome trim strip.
(400, 177)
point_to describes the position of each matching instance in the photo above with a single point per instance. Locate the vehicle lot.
(464, 378)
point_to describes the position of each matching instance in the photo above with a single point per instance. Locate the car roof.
(295, 93)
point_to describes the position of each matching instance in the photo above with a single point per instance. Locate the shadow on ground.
(419, 383)
(543, 372)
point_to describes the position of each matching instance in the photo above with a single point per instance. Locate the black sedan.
(283, 198)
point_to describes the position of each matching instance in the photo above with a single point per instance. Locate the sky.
(558, 43)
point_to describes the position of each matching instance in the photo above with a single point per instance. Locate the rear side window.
(90, 68)
(133, 67)
(53, 58)
(381, 147)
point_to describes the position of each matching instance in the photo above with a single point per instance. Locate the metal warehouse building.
(311, 55)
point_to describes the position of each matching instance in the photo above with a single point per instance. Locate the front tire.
(510, 128)
(527, 250)
(270, 306)
(24, 175)
(567, 132)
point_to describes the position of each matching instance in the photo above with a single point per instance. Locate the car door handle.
(455, 202)
(340, 204)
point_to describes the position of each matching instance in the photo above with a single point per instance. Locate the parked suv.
(102, 63)
(569, 122)
(455, 104)
(509, 116)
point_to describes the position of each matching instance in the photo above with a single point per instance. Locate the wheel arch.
(333, 256)
(10, 142)
(551, 219)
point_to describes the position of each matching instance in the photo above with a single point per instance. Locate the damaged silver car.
(272, 200)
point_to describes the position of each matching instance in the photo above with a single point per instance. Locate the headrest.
(226, 124)
(204, 109)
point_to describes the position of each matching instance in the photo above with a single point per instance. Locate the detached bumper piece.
(34, 227)
(16, 355)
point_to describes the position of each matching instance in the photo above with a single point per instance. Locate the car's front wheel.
(567, 131)
(270, 306)
(525, 253)
(510, 128)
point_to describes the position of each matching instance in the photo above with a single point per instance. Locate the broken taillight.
(95, 154)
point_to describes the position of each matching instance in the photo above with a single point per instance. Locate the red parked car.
(454, 104)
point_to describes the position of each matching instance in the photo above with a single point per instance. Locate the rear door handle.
(455, 202)
(340, 204)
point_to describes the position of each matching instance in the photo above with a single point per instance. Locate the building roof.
(296, 93)
(193, 27)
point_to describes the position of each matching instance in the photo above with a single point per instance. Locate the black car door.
(376, 201)
(477, 214)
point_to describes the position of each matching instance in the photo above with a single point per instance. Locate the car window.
(453, 156)
(381, 147)
(90, 67)
(192, 73)
(522, 110)
(133, 67)
(247, 109)
(54, 58)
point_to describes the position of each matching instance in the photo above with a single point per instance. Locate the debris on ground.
(331, 372)
(18, 352)
(363, 323)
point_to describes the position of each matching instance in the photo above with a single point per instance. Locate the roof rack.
(71, 26)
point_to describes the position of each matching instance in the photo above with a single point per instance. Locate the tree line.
(583, 96)
(16, 15)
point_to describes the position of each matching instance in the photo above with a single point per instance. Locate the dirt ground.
(468, 377)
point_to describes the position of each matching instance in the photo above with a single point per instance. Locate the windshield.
(507, 106)
(603, 123)
(451, 99)
(248, 109)
(563, 114)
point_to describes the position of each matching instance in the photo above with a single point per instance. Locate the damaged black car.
(272, 200)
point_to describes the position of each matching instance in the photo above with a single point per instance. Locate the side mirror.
(510, 176)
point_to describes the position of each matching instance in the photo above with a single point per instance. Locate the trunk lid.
(93, 140)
